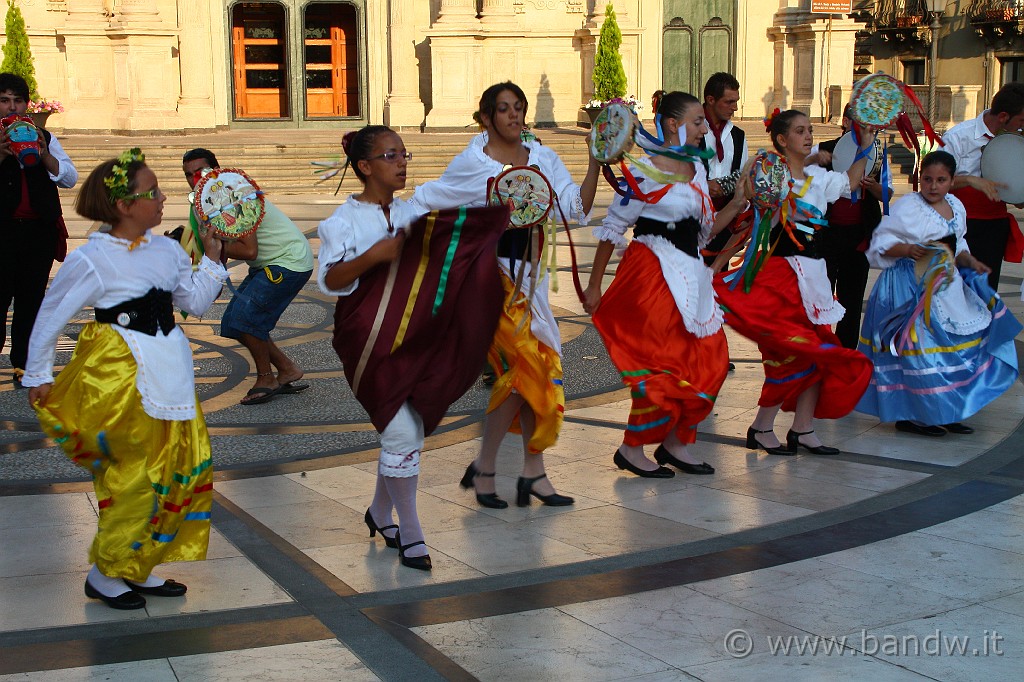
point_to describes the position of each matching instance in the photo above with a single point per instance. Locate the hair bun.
(346, 140)
(656, 100)
(769, 119)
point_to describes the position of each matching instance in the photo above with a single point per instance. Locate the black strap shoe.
(623, 463)
(793, 441)
(663, 456)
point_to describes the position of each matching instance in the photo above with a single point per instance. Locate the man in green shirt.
(280, 263)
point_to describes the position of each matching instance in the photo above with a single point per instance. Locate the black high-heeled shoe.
(754, 444)
(420, 563)
(374, 529)
(793, 441)
(524, 488)
(620, 461)
(489, 500)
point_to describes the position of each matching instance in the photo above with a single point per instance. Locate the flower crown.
(769, 118)
(117, 181)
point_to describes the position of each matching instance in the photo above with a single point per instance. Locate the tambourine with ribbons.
(878, 102)
(934, 271)
(229, 202)
(23, 137)
(532, 202)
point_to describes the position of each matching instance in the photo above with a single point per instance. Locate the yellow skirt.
(153, 478)
(523, 364)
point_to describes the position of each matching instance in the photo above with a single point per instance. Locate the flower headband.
(769, 119)
(117, 181)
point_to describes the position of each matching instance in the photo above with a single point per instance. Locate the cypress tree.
(609, 76)
(17, 53)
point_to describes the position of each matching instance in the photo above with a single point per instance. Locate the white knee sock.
(403, 495)
(382, 506)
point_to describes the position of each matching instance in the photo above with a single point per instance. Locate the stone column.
(457, 12)
(86, 13)
(403, 107)
(137, 12)
(497, 13)
(195, 55)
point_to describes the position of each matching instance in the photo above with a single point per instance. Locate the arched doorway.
(296, 62)
(697, 41)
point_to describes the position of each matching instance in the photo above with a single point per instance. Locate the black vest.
(42, 191)
(738, 140)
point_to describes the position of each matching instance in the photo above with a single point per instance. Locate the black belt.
(786, 247)
(682, 233)
(516, 245)
(145, 314)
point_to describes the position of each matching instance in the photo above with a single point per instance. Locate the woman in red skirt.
(659, 319)
(788, 309)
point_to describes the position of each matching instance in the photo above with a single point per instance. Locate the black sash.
(145, 314)
(683, 233)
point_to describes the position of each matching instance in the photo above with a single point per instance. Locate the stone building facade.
(168, 65)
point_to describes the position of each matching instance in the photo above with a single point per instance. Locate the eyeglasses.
(148, 194)
(392, 156)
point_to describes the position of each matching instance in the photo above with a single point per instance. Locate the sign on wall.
(831, 7)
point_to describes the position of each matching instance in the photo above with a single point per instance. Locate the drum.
(771, 180)
(229, 202)
(1000, 162)
(611, 136)
(846, 151)
(877, 101)
(526, 191)
(24, 138)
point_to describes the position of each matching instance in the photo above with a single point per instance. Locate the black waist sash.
(682, 233)
(786, 247)
(144, 314)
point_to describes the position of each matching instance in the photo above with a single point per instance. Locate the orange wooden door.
(259, 52)
(331, 60)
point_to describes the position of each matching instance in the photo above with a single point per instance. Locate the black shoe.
(732, 367)
(623, 463)
(663, 456)
(420, 563)
(129, 601)
(374, 529)
(524, 488)
(794, 444)
(489, 500)
(170, 588)
(958, 428)
(920, 429)
(754, 444)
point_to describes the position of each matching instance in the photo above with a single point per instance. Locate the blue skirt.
(940, 377)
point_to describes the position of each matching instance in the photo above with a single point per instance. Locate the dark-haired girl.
(526, 354)
(659, 319)
(125, 406)
(789, 308)
(413, 321)
(940, 338)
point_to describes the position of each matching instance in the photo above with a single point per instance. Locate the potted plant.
(41, 109)
(17, 52)
(609, 76)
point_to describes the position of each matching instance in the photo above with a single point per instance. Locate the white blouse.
(826, 187)
(956, 307)
(687, 278)
(351, 230)
(104, 273)
(464, 183)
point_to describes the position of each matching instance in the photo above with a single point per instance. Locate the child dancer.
(526, 354)
(125, 407)
(789, 307)
(940, 338)
(412, 323)
(662, 291)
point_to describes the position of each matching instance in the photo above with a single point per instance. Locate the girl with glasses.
(125, 408)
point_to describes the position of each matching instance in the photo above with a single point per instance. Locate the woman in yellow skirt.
(125, 407)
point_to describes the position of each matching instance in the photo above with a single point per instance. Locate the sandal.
(259, 395)
(292, 387)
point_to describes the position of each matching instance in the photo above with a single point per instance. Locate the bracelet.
(264, 374)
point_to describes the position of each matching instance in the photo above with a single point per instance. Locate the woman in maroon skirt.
(788, 309)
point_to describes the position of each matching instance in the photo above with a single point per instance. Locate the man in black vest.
(721, 100)
(30, 222)
(844, 240)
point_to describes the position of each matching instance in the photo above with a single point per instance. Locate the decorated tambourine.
(771, 178)
(526, 191)
(877, 101)
(23, 137)
(846, 152)
(229, 202)
(1000, 162)
(611, 136)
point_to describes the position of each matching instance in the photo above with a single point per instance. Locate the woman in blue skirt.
(940, 338)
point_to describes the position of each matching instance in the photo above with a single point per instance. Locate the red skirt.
(796, 353)
(674, 376)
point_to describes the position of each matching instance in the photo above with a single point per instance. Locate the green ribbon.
(448, 258)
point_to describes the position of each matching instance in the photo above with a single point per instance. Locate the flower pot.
(39, 118)
(592, 113)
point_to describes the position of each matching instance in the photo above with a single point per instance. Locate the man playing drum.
(992, 233)
(280, 263)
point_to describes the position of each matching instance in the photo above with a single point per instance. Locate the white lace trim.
(399, 464)
(815, 290)
(606, 234)
(959, 310)
(689, 281)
